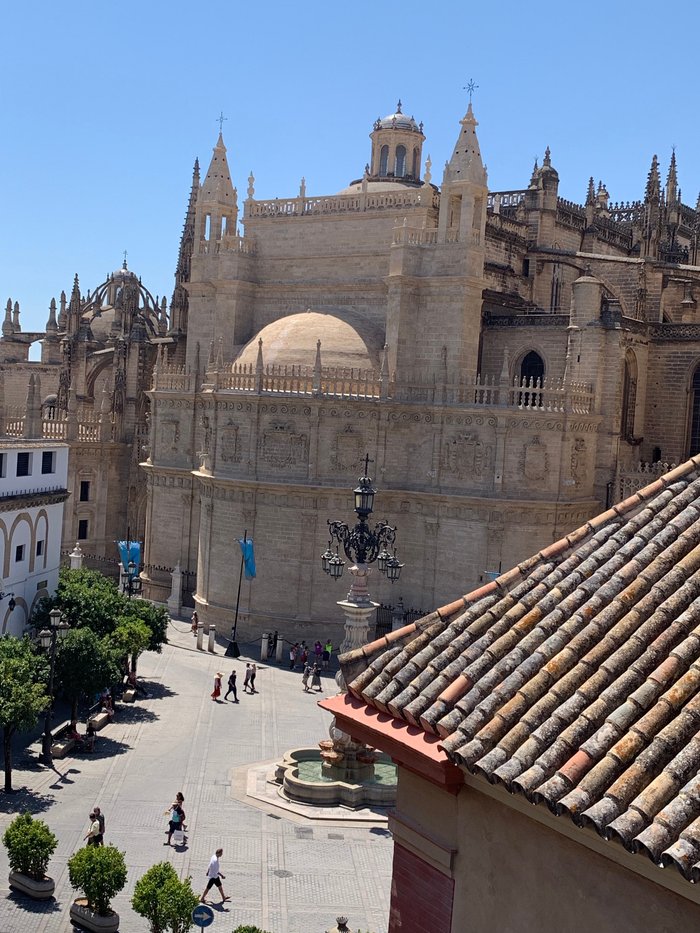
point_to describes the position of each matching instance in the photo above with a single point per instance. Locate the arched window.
(383, 160)
(694, 438)
(416, 163)
(531, 376)
(400, 170)
(629, 396)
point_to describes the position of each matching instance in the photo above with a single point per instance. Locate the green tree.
(155, 618)
(23, 697)
(165, 901)
(85, 665)
(87, 599)
(129, 639)
(30, 844)
(100, 873)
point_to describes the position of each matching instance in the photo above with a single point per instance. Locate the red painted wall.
(421, 896)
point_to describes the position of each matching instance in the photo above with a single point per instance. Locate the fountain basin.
(300, 774)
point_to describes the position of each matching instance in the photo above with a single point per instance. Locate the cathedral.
(510, 361)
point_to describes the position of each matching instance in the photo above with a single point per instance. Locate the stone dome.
(397, 120)
(347, 340)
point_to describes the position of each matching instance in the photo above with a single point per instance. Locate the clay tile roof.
(573, 679)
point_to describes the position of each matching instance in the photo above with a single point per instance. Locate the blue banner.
(248, 557)
(130, 551)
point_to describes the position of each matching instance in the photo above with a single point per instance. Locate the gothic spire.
(672, 180)
(217, 187)
(590, 196)
(653, 188)
(178, 302)
(7, 323)
(52, 324)
(466, 164)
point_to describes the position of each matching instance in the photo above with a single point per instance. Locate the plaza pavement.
(284, 873)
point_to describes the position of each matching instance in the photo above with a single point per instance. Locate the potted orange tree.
(30, 844)
(100, 873)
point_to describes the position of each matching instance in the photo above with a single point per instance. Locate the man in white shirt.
(214, 877)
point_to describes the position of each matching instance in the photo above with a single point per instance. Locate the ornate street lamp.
(48, 639)
(362, 545)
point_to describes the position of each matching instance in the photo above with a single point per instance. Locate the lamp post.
(48, 639)
(362, 546)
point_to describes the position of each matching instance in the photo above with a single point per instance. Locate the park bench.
(61, 744)
(99, 720)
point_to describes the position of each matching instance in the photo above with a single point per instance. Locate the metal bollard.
(212, 639)
(265, 641)
(200, 636)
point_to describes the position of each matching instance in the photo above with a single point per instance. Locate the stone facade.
(511, 361)
(501, 357)
(89, 392)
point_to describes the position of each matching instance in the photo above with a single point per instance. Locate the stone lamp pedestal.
(358, 608)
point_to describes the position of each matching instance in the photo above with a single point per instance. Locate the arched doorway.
(531, 376)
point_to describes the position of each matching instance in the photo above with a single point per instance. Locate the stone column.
(358, 607)
(175, 598)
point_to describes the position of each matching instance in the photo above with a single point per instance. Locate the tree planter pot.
(39, 890)
(81, 915)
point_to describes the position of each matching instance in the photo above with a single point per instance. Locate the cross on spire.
(220, 120)
(470, 87)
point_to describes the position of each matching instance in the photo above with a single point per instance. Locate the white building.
(33, 489)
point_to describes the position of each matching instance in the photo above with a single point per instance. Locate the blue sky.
(105, 106)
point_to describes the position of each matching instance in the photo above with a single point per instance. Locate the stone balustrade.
(543, 395)
(629, 480)
(343, 204)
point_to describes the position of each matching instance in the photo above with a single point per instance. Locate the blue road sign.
(203, 915)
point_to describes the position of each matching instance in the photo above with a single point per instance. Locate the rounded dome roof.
(380, 187)
(347, 340)
(398, 120)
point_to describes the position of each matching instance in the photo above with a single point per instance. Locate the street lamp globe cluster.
(361, 544)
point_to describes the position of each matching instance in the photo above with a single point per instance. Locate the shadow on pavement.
(104, 748)
(49, 906)
(136, 714)
(24, 800)
(155, 690)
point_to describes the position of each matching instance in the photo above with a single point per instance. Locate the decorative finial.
(124, 263)
(251, 184)
(398, 106)
(220, 120)
(547, 157)
(428, 175)
(470, 87)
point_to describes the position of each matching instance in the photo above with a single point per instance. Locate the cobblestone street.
(283, 873)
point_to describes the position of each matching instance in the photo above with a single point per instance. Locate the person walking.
(214, 877)
(293, 656)
(316, 678)
(327, 651)
(318, 651)
(253, 673)
(177, 817)
(93, 834)
(101, 820)
(232, 687)
(195, 622)
(246, 680)
(305, 678)
(216, 692)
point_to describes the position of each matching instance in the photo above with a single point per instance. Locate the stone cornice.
(28, 500)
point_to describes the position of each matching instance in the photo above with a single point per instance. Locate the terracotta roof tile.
(574, 678)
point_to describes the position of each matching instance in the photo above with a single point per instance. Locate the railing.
(229, 243)
(631, 480)
(342, 204)
(543, 395)
(428, 236)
